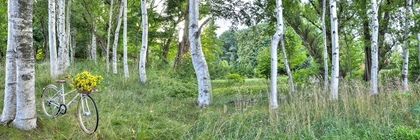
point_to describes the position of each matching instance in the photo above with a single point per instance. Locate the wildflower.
(85, 81)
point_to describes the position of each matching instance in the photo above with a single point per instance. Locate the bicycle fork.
(85, 107)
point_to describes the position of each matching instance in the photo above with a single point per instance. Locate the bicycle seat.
(60, 81)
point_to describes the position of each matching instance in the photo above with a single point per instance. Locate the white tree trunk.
(9, 102)
(68, 34)
(198, 60)
(89, 48)
(324, 33)
(72, 46)
(418, 54)
(117, 32)
(286, 65)
(335, 51)
(405, 49)
(273, 80)
(374, 48)
(126, 73)
(61, 37)
(109, 36)
(52, 38)
(274, 45)
(20, 14)
(143, 51)
(93, 48)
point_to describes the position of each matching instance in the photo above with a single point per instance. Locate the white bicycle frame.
(61, 95)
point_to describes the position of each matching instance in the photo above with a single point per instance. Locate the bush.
(185, 68)
(218, 69)
(235, 78)
(303, 75)
(182, 89)
(264, 63)
(406, 133)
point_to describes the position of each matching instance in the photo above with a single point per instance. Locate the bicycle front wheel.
(51, 100)
(88, 114)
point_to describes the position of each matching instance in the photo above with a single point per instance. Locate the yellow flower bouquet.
(85, 82)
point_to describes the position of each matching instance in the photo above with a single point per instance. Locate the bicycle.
(54, 104)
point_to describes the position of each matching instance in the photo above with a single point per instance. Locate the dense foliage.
(239, 50)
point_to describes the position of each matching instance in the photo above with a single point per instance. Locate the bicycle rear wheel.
(51, 100)
(87, 114)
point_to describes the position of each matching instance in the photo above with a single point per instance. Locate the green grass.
(164, 108)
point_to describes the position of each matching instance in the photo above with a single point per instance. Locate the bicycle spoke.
(88, 114)
(50, 100)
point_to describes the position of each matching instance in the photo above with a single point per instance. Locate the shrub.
(303, 75)
(218, 68)
(406, 133)
(235, 78)
(182, 89)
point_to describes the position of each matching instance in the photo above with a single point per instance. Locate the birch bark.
(199, 62)
(418, 47)
(114, 47)
(324, 33)
(405, 49)
(52, 38)
(286, 64)
(335, 51)
(109, 36)
(126, 73)
(72, 46)
(68, 34)
(61, 37)
(274, 45)
(21, 36)
(144, 45)
(374, 48)
(273, 80)
(93, 48)
(9, 105)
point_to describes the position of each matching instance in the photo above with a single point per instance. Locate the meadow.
(164, 108)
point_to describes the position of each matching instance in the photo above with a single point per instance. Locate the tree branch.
(316, 9)
(204, 23)
(312, 22)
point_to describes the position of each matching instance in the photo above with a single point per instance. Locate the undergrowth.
(164, 108)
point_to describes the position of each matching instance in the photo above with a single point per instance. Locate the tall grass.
(164, 108)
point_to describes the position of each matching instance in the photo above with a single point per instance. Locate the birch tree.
(274, 44)
(93, 47)
(324, 34)
(9, 107)
(418, 53)
(52, 38)
(109, 36)
(114, 47)
(126, 74)
(61, 37)
(374, 48)
(335, 51)
(405, 48)
(143, 51)
(198, 60)
(20, 40)
(286, 65)
(68, 34)
(72, 45)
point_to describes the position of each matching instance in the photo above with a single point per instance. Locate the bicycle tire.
(51, 100)
(87, 114)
